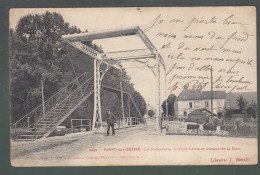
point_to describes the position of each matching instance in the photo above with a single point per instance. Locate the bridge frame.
(114, 61)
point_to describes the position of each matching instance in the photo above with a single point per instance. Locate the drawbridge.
(44, 119)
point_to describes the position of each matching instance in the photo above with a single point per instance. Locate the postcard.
(133, 86)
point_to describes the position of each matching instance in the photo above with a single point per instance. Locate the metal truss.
(113, 59)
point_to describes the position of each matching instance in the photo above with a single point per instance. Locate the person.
(111, 119)
(145, 118)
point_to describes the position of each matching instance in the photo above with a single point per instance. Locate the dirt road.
(134, 146)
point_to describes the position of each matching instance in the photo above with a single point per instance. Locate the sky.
(101, 19)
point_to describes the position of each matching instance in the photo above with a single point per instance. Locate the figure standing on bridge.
(111, 119)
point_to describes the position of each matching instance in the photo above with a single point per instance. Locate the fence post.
(119, 122)
(35, 133)
(28, 121)
(15, 131)
(81, 125)
(71, 126)
(198, 127)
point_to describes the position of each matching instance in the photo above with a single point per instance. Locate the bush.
(190, 126)
(228, 128)
(246, 130)
(217, 121)
(209, 127)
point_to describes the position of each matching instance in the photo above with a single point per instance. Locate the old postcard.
(133, 86)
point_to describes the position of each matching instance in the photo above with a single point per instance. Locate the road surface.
(133, 146)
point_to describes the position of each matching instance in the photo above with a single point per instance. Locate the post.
(211, 98)
(122, 95)
(43, 107)
(28, 121)
(158, 93)
(71, 126)
(119, 122)
(15, 130)
(129, 103)
(198, 127)
(81, 125)
(165, 89)
(97, 116)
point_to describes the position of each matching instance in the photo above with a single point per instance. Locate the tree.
(151, 113)
(140, 104)
(242, 103)
(171, 99)
(36, 55)
(252, 109)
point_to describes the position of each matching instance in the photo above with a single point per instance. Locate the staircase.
(41, 123)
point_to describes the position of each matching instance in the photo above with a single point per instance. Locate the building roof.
(200, 112)
(197, 94)
(215, 95)
(193, 94)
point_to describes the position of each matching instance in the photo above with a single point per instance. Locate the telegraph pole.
(122, 95)
(158, 117)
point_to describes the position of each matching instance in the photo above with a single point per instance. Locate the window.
(185, 114)
(206, 104)
(190, 104)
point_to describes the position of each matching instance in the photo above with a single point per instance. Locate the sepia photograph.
(131, 86)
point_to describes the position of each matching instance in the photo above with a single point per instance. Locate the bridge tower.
(113, 59)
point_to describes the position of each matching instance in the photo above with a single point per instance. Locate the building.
(191, 100)
(199, 116)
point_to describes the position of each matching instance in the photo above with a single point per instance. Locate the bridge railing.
(128, 121)
(80, 125)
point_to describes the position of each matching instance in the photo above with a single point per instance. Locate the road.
(132, 146)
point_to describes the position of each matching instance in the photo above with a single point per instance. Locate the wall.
(183, 105)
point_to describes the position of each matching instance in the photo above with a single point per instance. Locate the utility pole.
(122, 95)
(165, 89)
(158, 117)
(211, 97)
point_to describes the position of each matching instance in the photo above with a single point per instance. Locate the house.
(190, 100)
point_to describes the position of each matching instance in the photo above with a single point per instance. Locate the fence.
(128, 121)
(80, 125)
(223, 127)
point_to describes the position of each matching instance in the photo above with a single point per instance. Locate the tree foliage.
(37, 54)
(151, 113)
(170, 100)
(242, 103)
(252, 109)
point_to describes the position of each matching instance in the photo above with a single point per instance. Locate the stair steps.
(58, 113)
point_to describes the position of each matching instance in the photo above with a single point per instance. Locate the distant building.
(191, 100)
(199, 116)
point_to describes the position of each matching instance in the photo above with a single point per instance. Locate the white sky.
(94, 19)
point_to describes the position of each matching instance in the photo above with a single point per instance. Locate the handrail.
(66, 98)
(51, 97)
